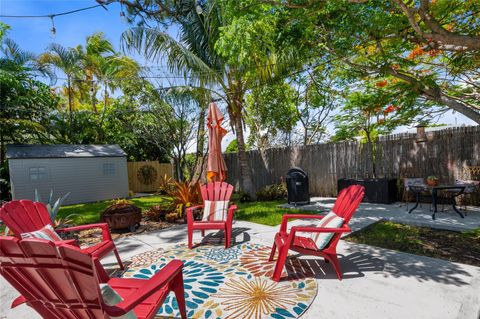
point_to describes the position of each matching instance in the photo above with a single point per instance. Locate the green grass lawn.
(266, 213)
(454, 246)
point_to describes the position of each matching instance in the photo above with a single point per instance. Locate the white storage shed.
(89, 172)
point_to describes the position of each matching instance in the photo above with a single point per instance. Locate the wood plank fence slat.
(446, 153)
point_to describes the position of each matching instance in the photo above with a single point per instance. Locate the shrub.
(273, 192)
(243, 197)
(158, 213)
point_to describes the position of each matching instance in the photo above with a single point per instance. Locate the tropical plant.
(165, 184)
(159, 212)
(68, 60)
(52, 207)
(120, 202)
(184, 195)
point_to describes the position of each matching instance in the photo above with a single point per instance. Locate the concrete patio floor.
(378, 283)
(422, 216)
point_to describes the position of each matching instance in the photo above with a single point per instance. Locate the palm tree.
(68, 60)
(96, 49)
(194, 55)
(112, 70)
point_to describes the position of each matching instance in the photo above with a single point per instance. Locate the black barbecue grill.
(297, 187)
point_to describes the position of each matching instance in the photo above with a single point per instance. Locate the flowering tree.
(378, 110)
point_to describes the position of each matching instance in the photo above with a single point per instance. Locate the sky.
(34, 34)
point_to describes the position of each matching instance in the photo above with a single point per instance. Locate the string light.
(199, 8)
(53, 30)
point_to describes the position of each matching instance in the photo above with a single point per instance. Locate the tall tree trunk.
(245, 170)
(372, 154)
(94, 103)
(70, 99)
(199, 156)
(2, 150)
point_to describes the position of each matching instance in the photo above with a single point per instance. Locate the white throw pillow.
(215, 210)
(111, 298)
(46, 232)
(331, 220)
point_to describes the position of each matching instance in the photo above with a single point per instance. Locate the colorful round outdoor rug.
(229, 283)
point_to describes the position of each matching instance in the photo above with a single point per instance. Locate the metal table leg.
(434, 202)
(417, 199)
(454, 204)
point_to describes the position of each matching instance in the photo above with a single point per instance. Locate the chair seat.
(209, 224)
(298, 241)
(126, 287)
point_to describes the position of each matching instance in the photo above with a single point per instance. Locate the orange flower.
(418, 50)
(381, 84)
(390, 109)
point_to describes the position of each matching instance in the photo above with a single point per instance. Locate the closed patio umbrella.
(216, 168)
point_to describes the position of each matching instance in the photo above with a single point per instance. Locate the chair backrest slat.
(216, 191)
(22, 216)
(348, 201)
(58, 280)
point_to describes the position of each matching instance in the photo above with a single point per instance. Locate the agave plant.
(52, 209)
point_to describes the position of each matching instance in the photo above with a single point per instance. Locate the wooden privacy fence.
(145, 177)
(445, 154)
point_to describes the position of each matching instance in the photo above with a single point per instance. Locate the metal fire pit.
(122, 217)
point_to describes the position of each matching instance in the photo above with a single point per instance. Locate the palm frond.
(155, 45)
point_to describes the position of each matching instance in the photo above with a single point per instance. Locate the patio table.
(454, 190)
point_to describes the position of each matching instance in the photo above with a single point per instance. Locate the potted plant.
(432, 180)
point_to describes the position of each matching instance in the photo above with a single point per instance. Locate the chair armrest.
(72, 242)
(189, 213)
(286, 217)
(151, 286)
(343, 229)
(104, 226)
(231, 211)
(20, 300)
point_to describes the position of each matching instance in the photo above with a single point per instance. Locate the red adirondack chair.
(60, 281)
(345, 206)
(23, 216)
(216, 191)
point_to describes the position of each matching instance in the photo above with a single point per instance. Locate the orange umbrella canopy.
(216, 168)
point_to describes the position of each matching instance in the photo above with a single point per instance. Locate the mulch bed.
(443, 244)
(93, 236)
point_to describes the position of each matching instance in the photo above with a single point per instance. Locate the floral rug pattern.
(229, 283)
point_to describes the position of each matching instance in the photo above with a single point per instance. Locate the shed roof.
(62, 151)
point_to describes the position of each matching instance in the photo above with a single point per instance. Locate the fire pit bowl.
(122, 216)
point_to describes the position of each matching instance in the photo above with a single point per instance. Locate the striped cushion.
(46, 232)
(331, 220)
(215, 210)
(111, 298)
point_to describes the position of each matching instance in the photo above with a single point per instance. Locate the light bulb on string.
(53, 30)
(199, 9)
